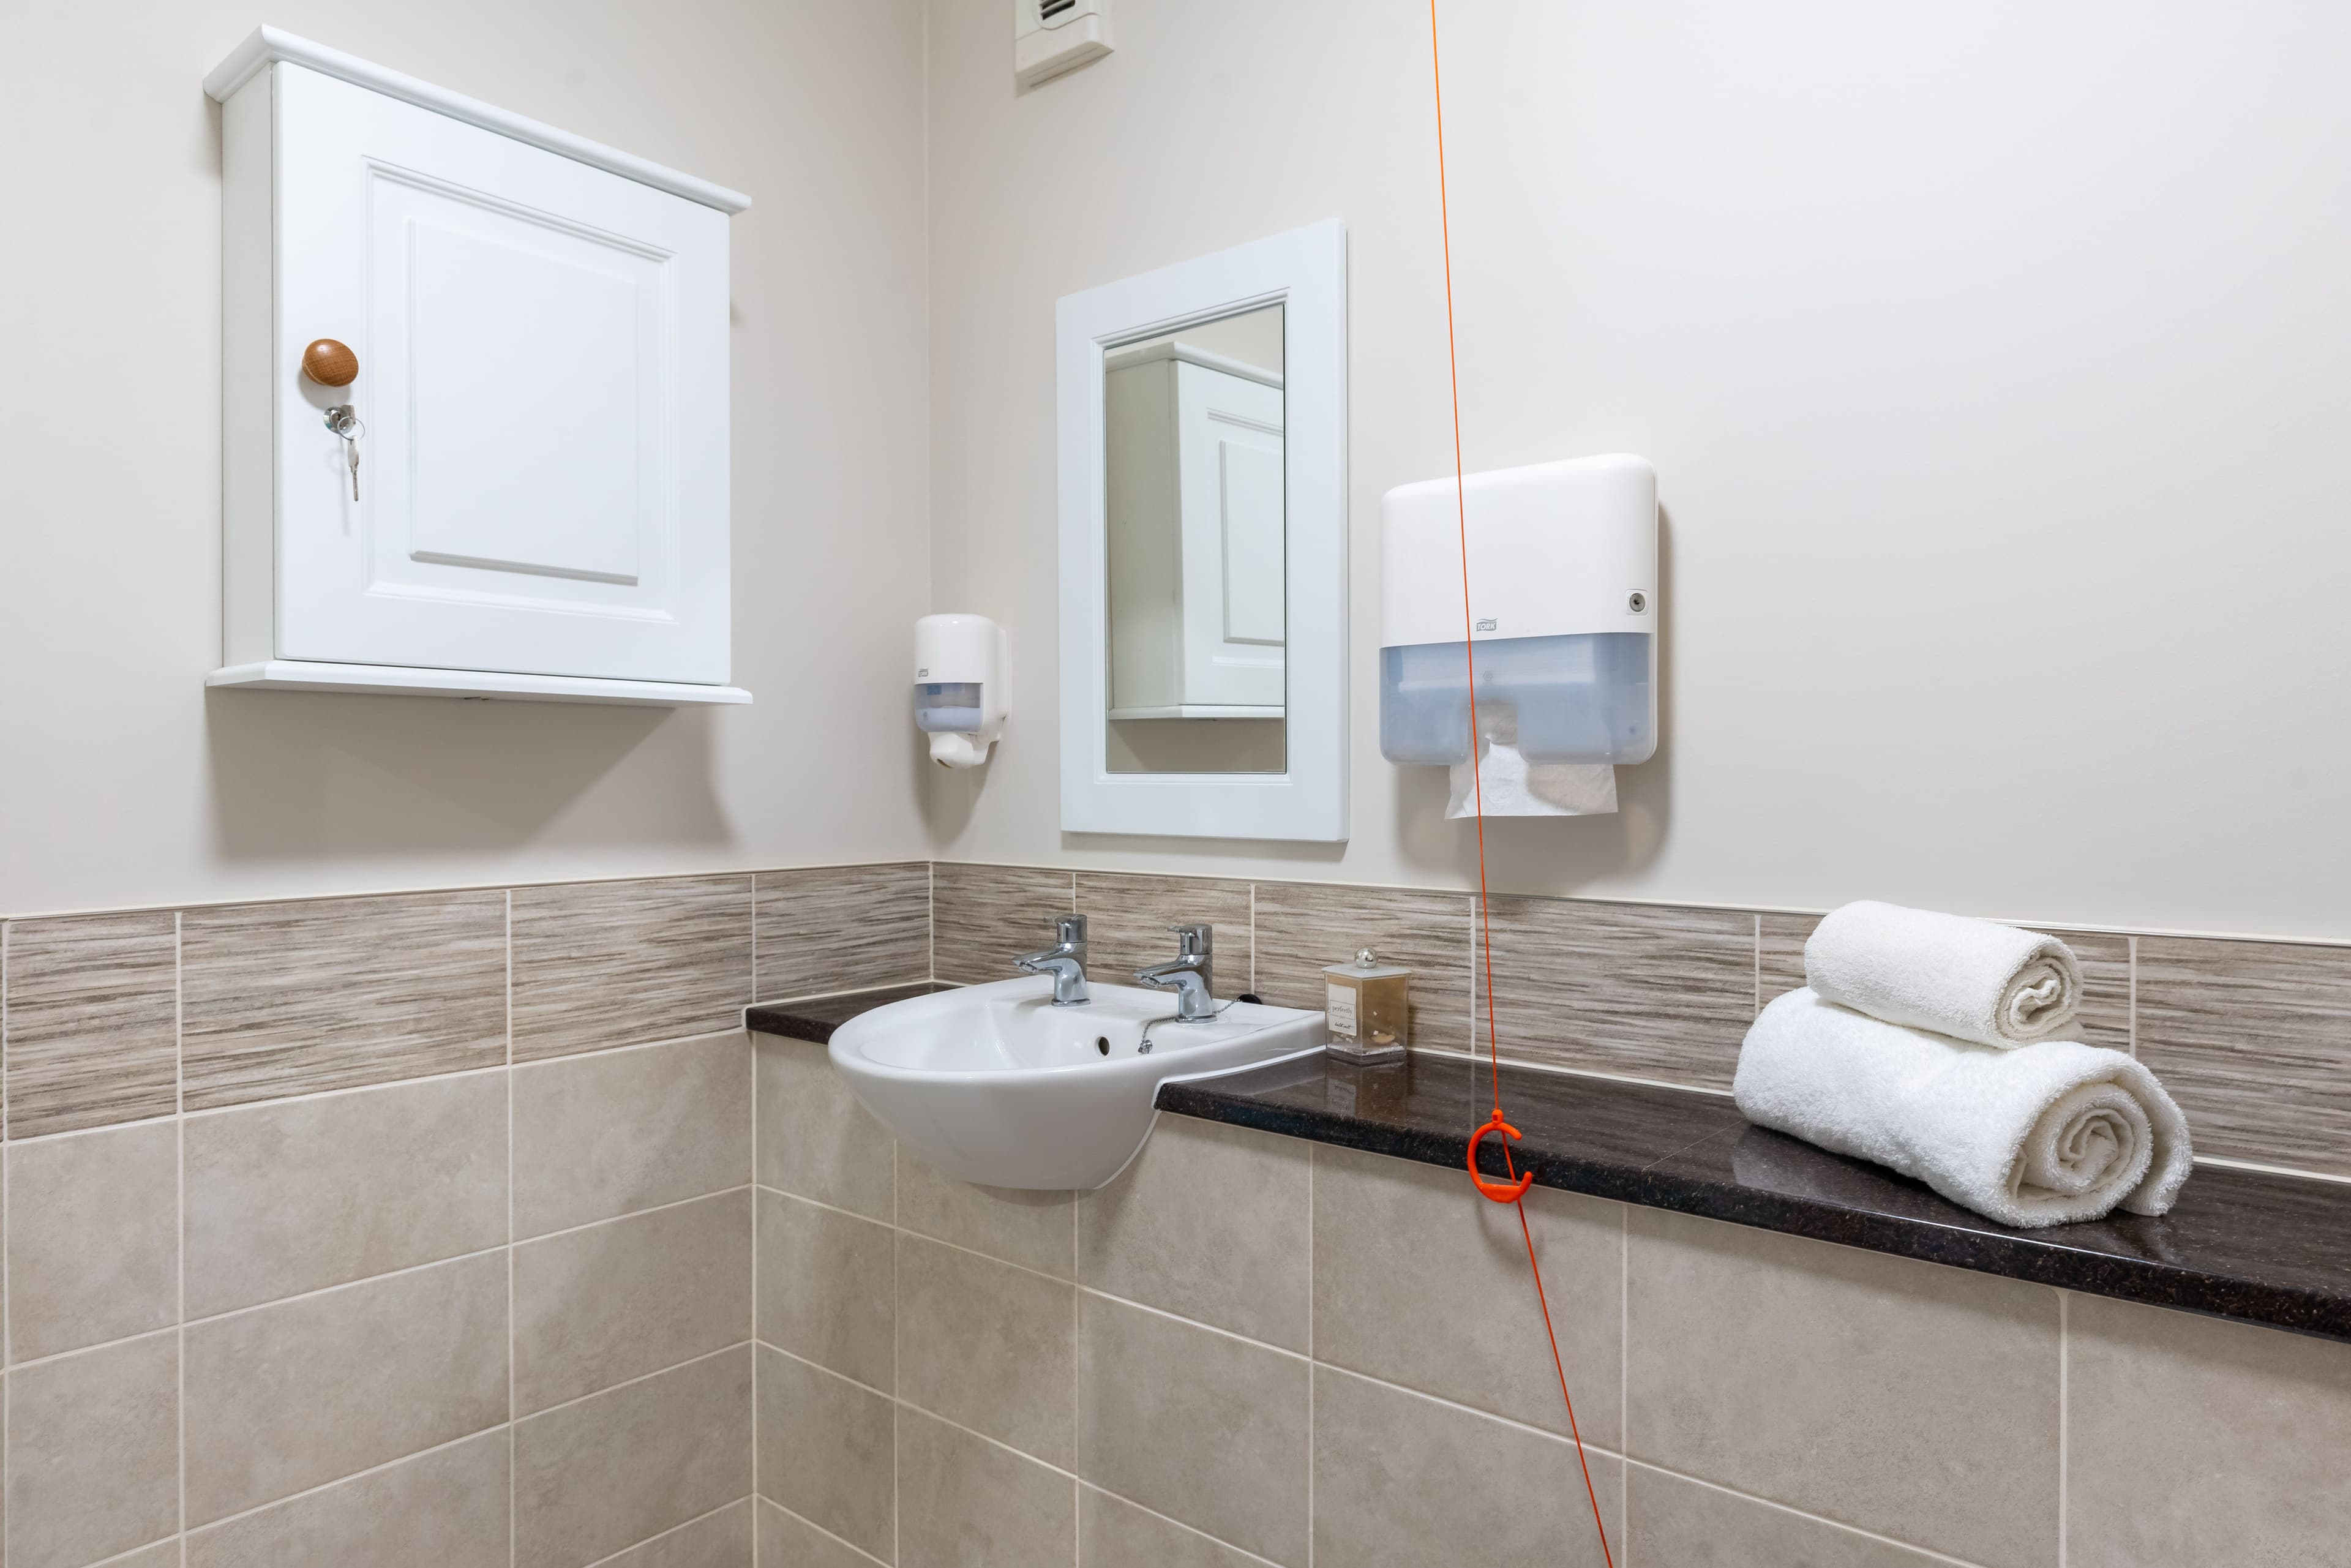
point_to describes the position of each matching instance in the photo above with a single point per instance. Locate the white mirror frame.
(1304, 271)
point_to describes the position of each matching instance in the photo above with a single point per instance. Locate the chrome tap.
(1190, 975)
(1065, 961)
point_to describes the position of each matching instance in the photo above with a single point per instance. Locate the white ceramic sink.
(994, 1084)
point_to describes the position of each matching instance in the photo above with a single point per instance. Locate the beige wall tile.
(2254, 1040)
(93, 1238)
(1686, 1524)
(1212, 1223)
(1833, 1380)
(626, 1297)
(2191, 1440)
(1417, 1284)
(827, 1452)
(93, 1454)
(843, 928)
(603, 1135)
(93, 1021)
(721, 1540)
(617, 1468)
(293, 1196)
(2106, 1012)
(1127, 921)
(791, 1541)
(983, 916)
(446, 1508)
(1302, 927)
(291, 998)
(1189, 1422)
(988, 1346)
(964, 1501)
(1641, 992)
(1035, 1229)
(1400, 1481)
(292, 1396)
(627, 963)
(1780, 953)
(162, 1554)
(1114, 1534)
(828, 1288)
(815, 1140)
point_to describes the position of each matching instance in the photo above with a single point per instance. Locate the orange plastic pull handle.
(1498, 1191)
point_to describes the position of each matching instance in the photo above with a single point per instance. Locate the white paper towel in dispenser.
(1505, 784)
(1562, 611)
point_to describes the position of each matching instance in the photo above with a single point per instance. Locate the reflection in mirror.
(1193, 482)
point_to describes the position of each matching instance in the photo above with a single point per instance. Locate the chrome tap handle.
(1195, 941)
(1065, 961)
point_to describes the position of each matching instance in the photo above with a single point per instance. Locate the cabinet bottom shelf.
(299, 675)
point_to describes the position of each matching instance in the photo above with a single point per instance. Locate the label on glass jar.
(1338, 1002)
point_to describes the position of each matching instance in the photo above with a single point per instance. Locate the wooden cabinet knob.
(330, 363)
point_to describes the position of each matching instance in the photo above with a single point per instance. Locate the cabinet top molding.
(269, 45)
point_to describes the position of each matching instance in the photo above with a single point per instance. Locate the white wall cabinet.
(1196, 536)
(541, 504)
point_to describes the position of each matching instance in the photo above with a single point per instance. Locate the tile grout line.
(180, 1185)
(820, 1530)
(514, 1480)
(1838, 1525)
(1077, 1378)
(2134, 997)
(2064, 1400)
(477, 1254)
(757, 1495)
(897, 1426)
(7, 1350)
(682, 1527)
(1086, 1486)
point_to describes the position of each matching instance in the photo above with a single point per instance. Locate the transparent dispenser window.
(1577, 699)
(952, 706)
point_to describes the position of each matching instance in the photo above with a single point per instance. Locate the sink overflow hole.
(1102, 1043)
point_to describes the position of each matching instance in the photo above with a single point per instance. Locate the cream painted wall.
(1995, 358)
(122, 781)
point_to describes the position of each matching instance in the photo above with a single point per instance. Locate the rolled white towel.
(1971, 979)
(2042, 1134)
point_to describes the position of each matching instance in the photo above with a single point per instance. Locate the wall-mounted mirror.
(1203, 435)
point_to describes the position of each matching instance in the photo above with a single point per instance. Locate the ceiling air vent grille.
(1049, 9)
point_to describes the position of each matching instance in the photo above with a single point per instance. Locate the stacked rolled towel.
(2047, 1132)
(1970, 979)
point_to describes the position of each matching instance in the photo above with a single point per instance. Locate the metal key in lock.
(344, 420)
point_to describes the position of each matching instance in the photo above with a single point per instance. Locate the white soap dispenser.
(959, 686)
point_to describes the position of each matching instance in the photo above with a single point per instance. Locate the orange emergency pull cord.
(1512, 1191)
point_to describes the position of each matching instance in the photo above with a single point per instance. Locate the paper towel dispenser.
(1561, 607)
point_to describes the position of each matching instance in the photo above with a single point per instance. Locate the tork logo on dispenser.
(1566, 554)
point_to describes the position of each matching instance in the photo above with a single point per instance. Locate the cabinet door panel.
(542, 347)
(1229, 440)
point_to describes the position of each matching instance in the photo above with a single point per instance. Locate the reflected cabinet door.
(542, 484)
(1193, 496)
(1230, 442)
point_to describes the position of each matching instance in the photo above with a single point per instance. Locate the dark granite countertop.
(815, 1018)
(2257, 1247)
